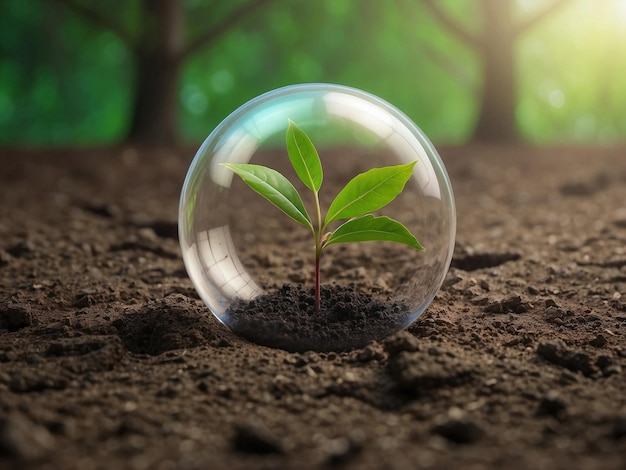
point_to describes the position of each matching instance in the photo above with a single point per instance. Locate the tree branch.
(95, 17)
(436, 56)
(454, 27)
(222, 27)
(446, 64)
(537, 17)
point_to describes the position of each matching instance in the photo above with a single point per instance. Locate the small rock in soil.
(368, 353)
(402, 341)
(513, 304)
(254, 438)
(533, 290)
(551, 303)
(83, 301)
(14, 317)
(459, 430)
(599, 341)
(557, 353)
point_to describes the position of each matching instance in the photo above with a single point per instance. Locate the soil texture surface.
(286, 319)
(108, 359)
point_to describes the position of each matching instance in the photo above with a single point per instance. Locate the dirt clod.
(459, 431)
(559, 354)
(15, 316)
(255, 438)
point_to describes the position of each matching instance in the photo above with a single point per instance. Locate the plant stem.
(318, 251)
(317, 281)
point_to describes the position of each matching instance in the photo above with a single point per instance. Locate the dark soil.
(287, 319)
(108, 359)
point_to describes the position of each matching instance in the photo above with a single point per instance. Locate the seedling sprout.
(362, 195)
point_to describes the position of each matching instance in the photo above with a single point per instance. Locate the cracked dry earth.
(109, 360)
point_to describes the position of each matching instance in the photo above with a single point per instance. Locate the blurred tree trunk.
(155, 104)
(160, 51)
(496, 117)
(155, 101)
(495, 46)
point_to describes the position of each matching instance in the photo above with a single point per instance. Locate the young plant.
(364, 194)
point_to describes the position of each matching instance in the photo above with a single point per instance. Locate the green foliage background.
(65, 82)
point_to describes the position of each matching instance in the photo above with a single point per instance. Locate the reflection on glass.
(223, 266)
(396, 135)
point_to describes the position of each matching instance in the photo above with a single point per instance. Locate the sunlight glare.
(528, 5)
(620, 8)
(556, 99)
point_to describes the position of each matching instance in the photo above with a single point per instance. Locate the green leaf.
(304, 157)
(369, 191)
(275, 188)
(371, 228)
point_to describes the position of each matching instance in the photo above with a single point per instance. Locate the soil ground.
(108, 359)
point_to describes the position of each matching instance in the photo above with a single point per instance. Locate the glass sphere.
(254, 267)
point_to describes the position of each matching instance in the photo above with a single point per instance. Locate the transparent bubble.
(254, 267)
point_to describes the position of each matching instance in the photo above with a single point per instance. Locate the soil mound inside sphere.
(286, 319)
